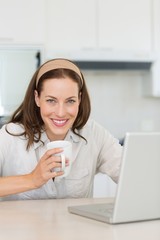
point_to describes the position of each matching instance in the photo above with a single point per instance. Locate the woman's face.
(59, 105)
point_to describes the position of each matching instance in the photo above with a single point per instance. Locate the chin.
(60, 132)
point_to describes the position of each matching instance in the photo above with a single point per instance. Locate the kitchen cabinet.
(152, 81)
(70, 24)
(111, 25)
(156, 27)
(125, 25)
(22, 21)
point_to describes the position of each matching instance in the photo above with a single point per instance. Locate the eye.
(71, 101)
(50, 100)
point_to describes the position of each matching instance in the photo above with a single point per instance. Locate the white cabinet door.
(22, 21)
(125, 25)
(70, 25)
(78, 25)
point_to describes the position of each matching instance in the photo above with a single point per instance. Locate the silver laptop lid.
(138, 192)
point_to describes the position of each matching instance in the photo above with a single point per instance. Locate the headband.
(56, 64)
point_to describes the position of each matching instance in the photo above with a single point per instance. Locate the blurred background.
(116, 43)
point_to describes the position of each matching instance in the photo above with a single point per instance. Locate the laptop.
(138, 190)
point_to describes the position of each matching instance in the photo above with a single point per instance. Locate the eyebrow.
(56, 98)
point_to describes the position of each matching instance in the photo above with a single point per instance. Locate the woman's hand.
(45, 167)
(39, 176)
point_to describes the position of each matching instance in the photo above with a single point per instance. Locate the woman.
(56, 107)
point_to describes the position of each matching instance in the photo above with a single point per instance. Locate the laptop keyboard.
(105, 209)
(101, 210)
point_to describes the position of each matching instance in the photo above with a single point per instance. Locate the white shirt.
(101, 153)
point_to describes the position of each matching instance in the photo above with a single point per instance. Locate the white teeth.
(59, 121)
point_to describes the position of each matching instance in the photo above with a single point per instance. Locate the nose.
(60, 110)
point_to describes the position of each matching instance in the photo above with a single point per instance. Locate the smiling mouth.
(59, 123)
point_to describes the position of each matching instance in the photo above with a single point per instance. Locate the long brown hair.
(28, 114)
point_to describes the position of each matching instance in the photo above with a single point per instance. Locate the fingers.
(56, 174)
(49, 162)
(52, 160)
(53, 151)
(54, 164)
(45, 168)
(50, 153)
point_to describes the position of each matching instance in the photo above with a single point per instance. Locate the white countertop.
(50, 219)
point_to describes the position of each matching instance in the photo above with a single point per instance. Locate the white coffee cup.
(66, 154)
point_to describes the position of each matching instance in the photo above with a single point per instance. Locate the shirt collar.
(71, 136)
(44, 140)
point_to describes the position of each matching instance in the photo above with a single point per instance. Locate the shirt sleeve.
(6, 144)
(110, 153)
(2, 147)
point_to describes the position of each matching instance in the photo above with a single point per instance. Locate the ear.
(36, 97)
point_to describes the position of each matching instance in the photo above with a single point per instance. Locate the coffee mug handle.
(63, 161)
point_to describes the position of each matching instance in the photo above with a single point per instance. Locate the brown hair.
(28, 114)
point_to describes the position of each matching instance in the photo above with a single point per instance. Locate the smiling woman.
(59, 103)
(56, 106)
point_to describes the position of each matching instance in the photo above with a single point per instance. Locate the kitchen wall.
(119, 102)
